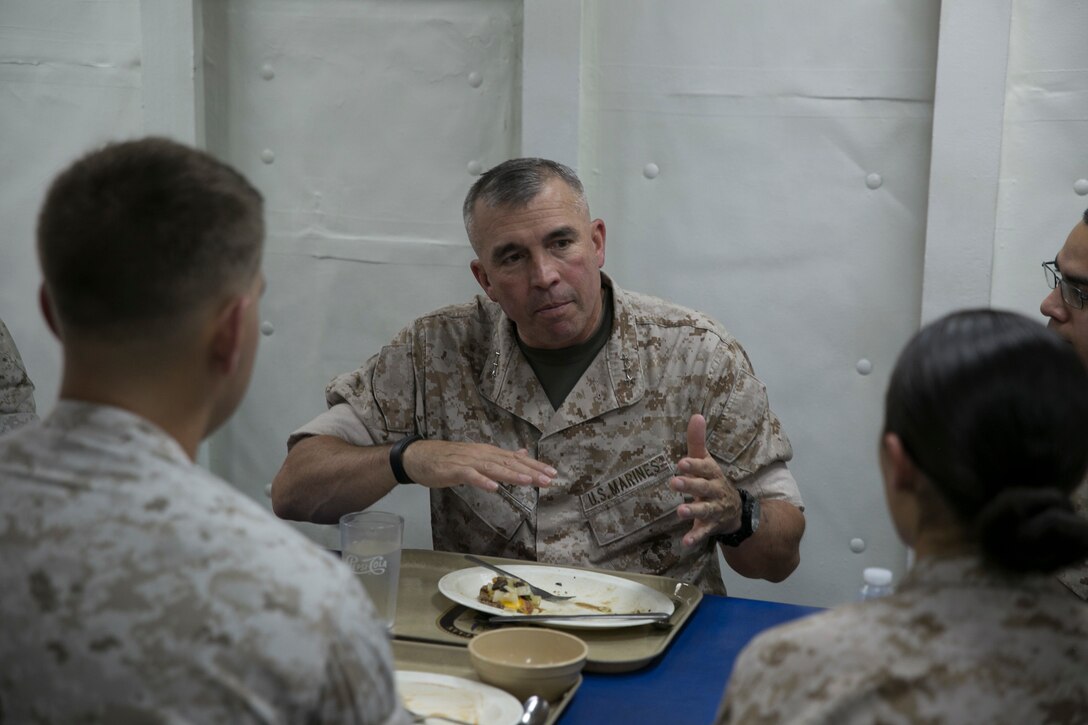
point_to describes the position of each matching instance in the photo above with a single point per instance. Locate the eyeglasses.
(1072, 294)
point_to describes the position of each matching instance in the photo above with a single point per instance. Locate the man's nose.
(545, 271)
(1053, 306)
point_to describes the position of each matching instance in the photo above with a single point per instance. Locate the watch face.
(756, 513)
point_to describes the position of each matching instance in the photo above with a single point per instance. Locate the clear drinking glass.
(370, 543)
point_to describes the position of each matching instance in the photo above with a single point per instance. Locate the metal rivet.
(874, 181)
(475, 79)
(857, 545)
(268, 72)
(1081, 186)
(650, 170)
(267, 328)
(267, 156)
(475, 168)
(864, 366)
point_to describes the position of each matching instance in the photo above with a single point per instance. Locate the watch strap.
(396, 457)
(749, 505)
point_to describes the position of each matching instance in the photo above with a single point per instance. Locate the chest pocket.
(632, 501)
(503, 512)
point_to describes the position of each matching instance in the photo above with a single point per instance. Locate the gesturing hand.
(438, 464)
(716, 507)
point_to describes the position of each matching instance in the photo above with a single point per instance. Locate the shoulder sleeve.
(374, 404)
(742, 431)
(16, 389)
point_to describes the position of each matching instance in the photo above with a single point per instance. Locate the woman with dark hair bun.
(983, 443)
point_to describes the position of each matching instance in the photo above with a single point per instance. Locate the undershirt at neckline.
(560, 370)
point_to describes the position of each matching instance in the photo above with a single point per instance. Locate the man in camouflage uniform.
(16, 390)
(561, 419)
(1067, 309)
(138, 587)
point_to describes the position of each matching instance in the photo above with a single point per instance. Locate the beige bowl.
(528, 661)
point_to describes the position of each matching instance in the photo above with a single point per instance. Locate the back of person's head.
(134, 236)
(989, 406)
(516, 182)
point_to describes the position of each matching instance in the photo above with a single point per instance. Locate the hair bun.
(1032, 529)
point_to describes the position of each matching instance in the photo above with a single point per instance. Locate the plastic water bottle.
(878, 583)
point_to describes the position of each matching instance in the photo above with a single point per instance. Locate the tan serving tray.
(425, 615)
(446, 659)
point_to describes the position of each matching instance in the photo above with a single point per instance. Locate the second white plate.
(593, 593)
(429, 693)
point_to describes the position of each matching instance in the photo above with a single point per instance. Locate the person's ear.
(46, 304)
(228, 334)
(480, 274)
(901, 471)
(597, 234)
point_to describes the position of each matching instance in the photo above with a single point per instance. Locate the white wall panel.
(764, 122)
(360, 122)
(70, 78)
(1045, 147)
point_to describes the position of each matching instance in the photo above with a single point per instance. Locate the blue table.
(686, 683)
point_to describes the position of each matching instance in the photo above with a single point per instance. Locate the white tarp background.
(768, 163)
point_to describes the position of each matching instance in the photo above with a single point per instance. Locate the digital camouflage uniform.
(137, 587)
(1076, 577)
(457, 374)
(16, 390)
(955, 644)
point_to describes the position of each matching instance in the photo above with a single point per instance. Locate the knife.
(649, 616)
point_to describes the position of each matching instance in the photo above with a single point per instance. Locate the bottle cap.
(877, 576)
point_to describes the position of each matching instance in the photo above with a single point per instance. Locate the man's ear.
(597, 234)
(480, 274)
(226, 348)
(46, 305)
(902, 472)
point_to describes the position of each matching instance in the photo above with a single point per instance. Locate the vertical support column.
(551, 79)
(173, 76)
(173, 83)
(965, 166)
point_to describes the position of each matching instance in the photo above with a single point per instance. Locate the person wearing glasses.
(1065, 308)
(980, 450)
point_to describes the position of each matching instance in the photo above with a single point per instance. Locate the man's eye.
(562, 243)
(511, 258)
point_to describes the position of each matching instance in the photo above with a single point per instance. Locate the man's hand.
(438, 464)
(717, 506)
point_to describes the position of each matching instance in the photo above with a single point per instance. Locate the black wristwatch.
(749, 521)
(396, 457)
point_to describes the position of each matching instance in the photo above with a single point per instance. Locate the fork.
(542, 593)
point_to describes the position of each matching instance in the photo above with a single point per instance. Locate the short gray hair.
(516, 183)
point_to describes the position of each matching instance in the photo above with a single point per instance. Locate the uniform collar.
(969, 570)
(116, 428)
(613, 380)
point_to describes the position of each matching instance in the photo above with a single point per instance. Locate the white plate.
(615, 594)
(429, 693)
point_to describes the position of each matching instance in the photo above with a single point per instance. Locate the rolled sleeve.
(340, 421)
(773, 482)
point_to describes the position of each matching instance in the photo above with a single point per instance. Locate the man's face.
(542, 263)
(1067, 321)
